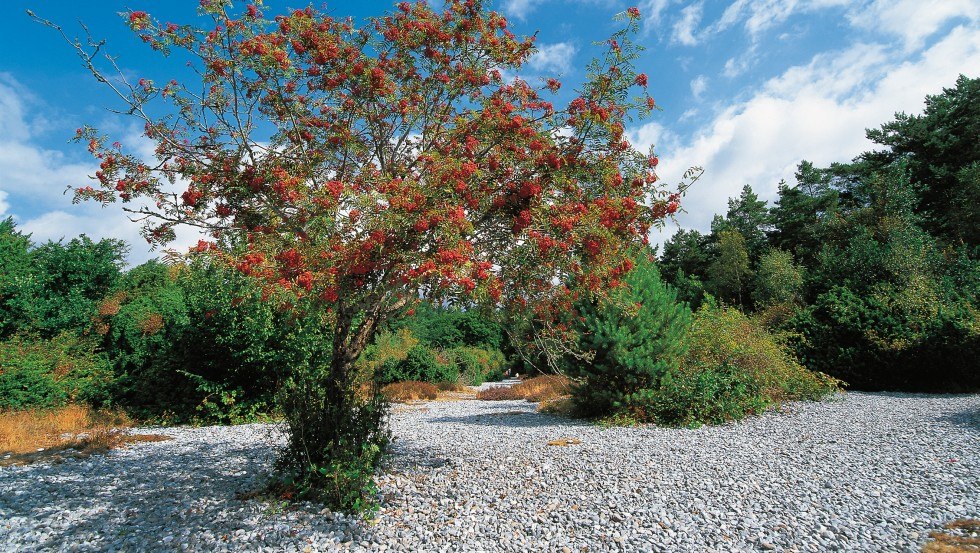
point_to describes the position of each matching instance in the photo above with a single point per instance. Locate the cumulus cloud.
(35, 181)
(913, 20)
(817, 111)
(557, 57)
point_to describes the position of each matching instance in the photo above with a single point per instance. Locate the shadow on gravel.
(969, 419)
(155, 494)
(510, 419)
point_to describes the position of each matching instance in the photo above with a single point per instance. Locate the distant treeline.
(872, 266)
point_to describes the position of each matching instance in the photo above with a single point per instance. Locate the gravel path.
(866, 472)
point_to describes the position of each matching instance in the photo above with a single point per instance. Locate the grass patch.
(71, 431)
(538, 389)
(958, 536)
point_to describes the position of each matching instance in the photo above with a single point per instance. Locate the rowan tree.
(360, 168)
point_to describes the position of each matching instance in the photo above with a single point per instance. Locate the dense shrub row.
(192, 341)
(655, 362)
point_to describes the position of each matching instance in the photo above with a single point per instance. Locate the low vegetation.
(958, 536)
(537, 389)
(72, 430)
(413, 390)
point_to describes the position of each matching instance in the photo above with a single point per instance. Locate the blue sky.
(749, 88)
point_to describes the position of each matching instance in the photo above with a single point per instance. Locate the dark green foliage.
(41, 373)
(941, 152)
(336, 441)
(749, 216)
(197, 343)
(67, 281)
(684, 264)
(420, 364)
(30, 387)
(15, 271)
(799, 215)
(637, 335)
(894, 309)
(142, 324)
(448, 327)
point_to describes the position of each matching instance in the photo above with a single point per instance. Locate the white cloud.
(652, 12)
(520, 8)
(35, 180)
(740, 64)
(913, 20)
(553, 57)
(817, 112)
(686, 27)
(698, 86)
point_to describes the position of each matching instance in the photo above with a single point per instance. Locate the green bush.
(474, 366)
(422, 364)
(196, 343)
(39, 373)
(888, 340)
(637, 335)
(30, 387)
(336, 441)
(734, 367)
(66, 283)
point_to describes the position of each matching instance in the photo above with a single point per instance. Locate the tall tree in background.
(800, 212)
(684, 264)
(748, 215)
(730, 273)
(15, 263)
(941, 153)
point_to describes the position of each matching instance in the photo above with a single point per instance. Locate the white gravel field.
(861, 472)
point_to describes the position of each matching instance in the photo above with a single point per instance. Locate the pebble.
(859, 472)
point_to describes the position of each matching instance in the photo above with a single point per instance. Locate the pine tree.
(637, 336)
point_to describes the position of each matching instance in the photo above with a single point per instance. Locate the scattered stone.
(861, 472)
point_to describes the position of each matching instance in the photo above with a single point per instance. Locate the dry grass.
(497, 393)
(29, 436)
(411, 390)
(565, 442)
(452, 387)
(537, 389)
(960, 536)
(562, 406)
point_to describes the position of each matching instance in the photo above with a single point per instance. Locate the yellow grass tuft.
(537, 389)
(410, 391)
(565, 442)
(29, 436)
(961, 536)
